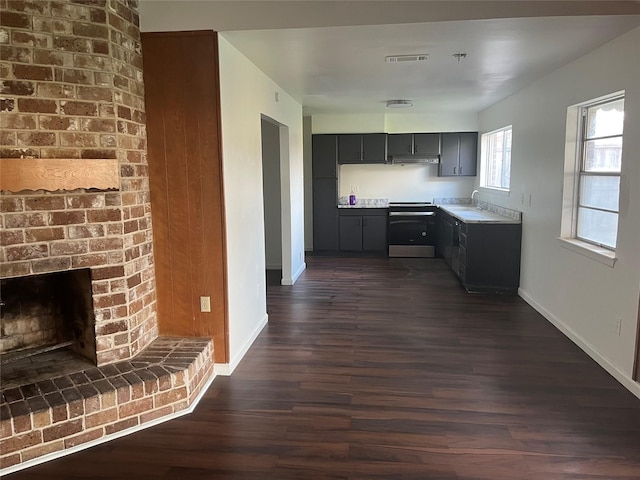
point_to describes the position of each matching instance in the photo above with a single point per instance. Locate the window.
(599, 162)
(495, 159)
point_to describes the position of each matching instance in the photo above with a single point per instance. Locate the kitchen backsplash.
(364, 202)
(451, 201)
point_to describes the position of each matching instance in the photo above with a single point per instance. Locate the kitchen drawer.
(358, 212)
(463, 238)
(462, 271)
(462, 254)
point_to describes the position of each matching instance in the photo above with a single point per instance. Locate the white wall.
(396, 122)
(246, 94)
(397, 182)
(582, 297)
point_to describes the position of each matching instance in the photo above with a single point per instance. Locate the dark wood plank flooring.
(376, 368)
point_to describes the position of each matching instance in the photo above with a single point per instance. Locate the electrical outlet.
(619, 326)
(205, 304)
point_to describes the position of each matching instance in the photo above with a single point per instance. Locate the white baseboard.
(226, 369)
(589, 349)
(107, 438)
(295, 276)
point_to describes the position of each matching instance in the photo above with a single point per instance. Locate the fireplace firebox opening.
(41, 313)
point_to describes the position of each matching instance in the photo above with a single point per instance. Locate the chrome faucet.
(474, 201)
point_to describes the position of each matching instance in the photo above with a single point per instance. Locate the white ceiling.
(341, 69)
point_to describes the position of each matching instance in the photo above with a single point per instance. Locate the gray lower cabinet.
(350, 233)
(484, 256)
(374, 233)
(325, 214)
(363, 230)
(445, 225)
(489, 256)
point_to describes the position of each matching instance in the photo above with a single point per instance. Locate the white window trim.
(500, 191)
(570, 188)
(589, 250)
(482, 162)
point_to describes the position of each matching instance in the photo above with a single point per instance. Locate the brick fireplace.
(72, 88)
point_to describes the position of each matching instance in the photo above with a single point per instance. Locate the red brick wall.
(72, 88)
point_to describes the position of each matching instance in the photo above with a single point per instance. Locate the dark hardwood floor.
(376, 368)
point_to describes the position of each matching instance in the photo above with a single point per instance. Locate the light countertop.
(470, 214)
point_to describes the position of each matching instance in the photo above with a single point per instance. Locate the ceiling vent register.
(406, 58)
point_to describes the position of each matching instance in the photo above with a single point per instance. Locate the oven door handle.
(411, 214)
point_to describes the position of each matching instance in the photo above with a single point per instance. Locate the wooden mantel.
(18, 174)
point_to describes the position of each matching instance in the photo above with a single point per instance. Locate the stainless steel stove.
(412, 229)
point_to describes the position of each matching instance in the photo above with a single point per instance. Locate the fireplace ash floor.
(42, 367)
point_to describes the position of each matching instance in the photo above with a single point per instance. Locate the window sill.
(599, 254)
(500, 191)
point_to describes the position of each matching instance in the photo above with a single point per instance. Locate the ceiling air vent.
(406, 58)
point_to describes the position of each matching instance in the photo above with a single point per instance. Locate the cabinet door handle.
(454, 170)
(461, 170)
(409, 149)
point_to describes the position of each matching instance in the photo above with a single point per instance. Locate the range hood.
(416, 159)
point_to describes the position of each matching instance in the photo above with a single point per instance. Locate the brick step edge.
(68, 411)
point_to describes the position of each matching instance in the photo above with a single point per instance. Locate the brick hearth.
(69, 410)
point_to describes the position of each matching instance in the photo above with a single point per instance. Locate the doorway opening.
(275, 154)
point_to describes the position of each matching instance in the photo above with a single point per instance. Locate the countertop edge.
(363, 206)
(493, 220)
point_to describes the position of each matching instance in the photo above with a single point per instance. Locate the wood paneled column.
(185, 170)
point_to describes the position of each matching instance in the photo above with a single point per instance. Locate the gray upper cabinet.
(374, 148)
(426, 143)
(325, 156)
(399, 144)
(459, 154)
(362, 148)
(469, 154)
